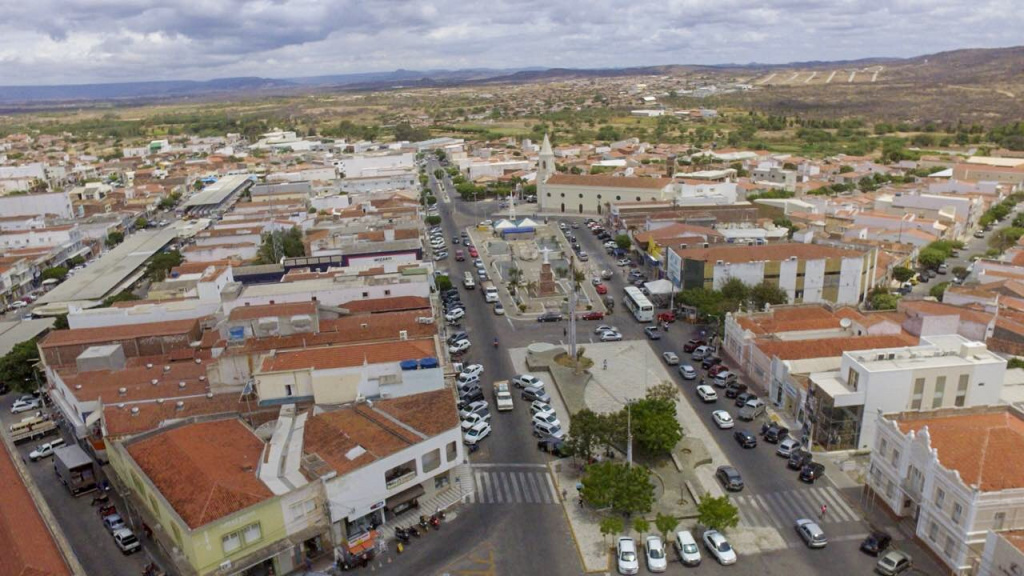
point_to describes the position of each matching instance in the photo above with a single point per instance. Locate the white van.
(490, 292)
(468, 281)
(687, 548)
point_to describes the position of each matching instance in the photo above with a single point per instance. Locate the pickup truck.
(502, 396)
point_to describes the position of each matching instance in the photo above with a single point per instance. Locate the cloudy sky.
(81, 41)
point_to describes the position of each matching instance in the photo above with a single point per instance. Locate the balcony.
(400, 475)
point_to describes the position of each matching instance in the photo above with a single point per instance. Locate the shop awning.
(363, 543)
(406, 496)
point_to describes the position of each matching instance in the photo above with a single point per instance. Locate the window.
(252, 533)
(618, 197)
(853, 378)
(958, 511)
(366, 294)
(231, 542)
(442, 480)
(387, 292)
(883, 447)
(451, 452)
(287, 389)
(998, 520)
(915, 401)
(302, 509)
(895, 457)
(581, 195)
(961, 390)
(933, 531)
(940, 498)
(950, 546)
(431, 460)
(889, 489)
(940, 391)
(876, 476)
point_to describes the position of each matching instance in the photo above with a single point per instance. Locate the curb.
(572, 531)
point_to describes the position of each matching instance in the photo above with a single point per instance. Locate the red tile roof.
(387, 304)
(120, 421)
(205, 471)
(111, 333)
(829, 347)
(26, 546)
(599, 180)
(983, 448)
(137, 381)
(348, 356)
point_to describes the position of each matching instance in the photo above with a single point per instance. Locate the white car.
(671, 358)
(476, 433)
(455, 315)
(625, 555)
(525, 380)
(707, 393)
(45, 450)
(475, 407)
(536, 407)
(609, 336)
(459, 347)
(499, 310)
(623, 262)
(24, 405)
(126, 541)
(472, 370)
(610, 244)
(722, 419)
(605, 328)
(719, 547)
(688, 372)
(18, 304)
(474, 419)
(686, 547)
(547, 417)
(654, 549)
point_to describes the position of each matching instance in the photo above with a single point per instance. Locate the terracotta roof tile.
(599, 180)
(26, 545)
(267, 310)
(978, 446)
(137, 381)
(205, 471)
(119, 422)
(387, 304)
(111, 333)
(829, 347)
(348, 356)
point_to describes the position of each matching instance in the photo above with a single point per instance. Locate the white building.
(363, 165)
(957, 472)
(1003, 553)
(942, 372)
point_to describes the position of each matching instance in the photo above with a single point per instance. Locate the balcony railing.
(394, 481)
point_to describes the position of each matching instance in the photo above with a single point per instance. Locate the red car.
(601, 289)
(716, 369)
(592, 316)
(473, 252)
(692, 345)
(667, 317)
(459, 256)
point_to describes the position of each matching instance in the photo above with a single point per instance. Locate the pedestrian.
(564, 493)
(605, 365)
(581, 501)
(824, 509)
(565, 332)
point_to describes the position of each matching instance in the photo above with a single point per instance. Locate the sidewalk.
(458, 492)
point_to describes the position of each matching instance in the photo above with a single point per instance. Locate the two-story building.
(956, 472)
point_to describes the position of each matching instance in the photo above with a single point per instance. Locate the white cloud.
(74, 41)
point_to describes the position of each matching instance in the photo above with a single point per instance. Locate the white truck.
(489, 291)
(502, 396)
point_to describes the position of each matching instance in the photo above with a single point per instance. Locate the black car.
(741, 399)
(730, 478)
(456, 240)
(774, 433)
(553, 446)
(550, 317)
(734, 389)
(710, 361)
(812, 472)
(876, 543)
(798, 459)
(745, 439)
(470, 398)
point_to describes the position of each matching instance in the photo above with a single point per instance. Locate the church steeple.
(545, 162)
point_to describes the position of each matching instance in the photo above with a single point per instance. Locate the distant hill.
(133, 90)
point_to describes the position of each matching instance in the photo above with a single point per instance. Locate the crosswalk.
(782, 509)
(512, 484)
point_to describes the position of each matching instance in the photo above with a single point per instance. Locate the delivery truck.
(75, 469)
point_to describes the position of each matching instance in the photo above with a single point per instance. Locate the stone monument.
(546, 283)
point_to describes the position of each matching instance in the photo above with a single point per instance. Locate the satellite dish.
(845, 323)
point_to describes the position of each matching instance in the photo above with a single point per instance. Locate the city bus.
(638, 304)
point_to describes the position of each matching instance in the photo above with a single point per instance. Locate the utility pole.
(572, 313)
(629, 436)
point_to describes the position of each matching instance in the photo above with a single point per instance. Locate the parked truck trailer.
(75, 469)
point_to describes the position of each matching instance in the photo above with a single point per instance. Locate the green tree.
(708, 303)
(432, 220)
(735, 290)
(141, 223)
(626, 490)
(125, 296)
(931, 257)
(655, 428)
(717, 513)
(443, 283)
(588, 432)
(17, 368)
(902, 274)
(767, 293)
(161, 263)
(61, 322)
(665, 524)
(960, 272)
(623, 241)
(938, 290)
(1005, 238)
(114, 238)
(57, 273)
(882, 300)
(76, 261)
(641, 525)
(612, 525)
(1015, 363)
(280, 244)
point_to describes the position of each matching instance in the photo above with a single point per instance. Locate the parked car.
(671, 358)
(709, 361)
(811, 533)
(652, 332)
(688, 372)
(719, 547)
(741, 399)
(707, 393)
(745, 439)
(456, 337)
(686, 547)
(894, 562)
(774, 433)
(798, 459)
(734, 390)
(623, 262)
(553, 446)
(722, 419)
(476, 433)
(499, 310)
(716, 369)
(531, 393)
(455, 315)
(700, 352)
(669, 317)
(550, 317)
(609, 336)
(724, 378)
(524, 380)
(601, 289)
(811, 472)
(474, 419)
(876, 543)
(475, 407)
(605, 328)
(126, 541)
(113, 523)
(470, 370)
(692, 345)
(547, 430)
(459, 347)
(538, 406)
(625, 556)
(595, 315)
(730, 478)
(45, 450)
(24, 405)
(549, 418)
(654, 550)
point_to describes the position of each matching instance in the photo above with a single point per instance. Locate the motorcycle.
(402, 535)
(424, 522)
(412, 530)
(495, 342)
(101, 499)
(473, 448)
(435, 521)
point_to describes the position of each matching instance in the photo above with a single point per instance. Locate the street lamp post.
(629, 435)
